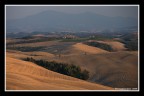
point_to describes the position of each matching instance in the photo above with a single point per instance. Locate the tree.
(85, 74)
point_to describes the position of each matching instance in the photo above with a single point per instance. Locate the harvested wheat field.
(22, 75)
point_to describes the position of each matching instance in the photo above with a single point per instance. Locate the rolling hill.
(22, 75)
(115, 69)
(118, 69)
(88, 49)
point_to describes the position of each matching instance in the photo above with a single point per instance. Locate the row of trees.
(67, 69)
(100, 45)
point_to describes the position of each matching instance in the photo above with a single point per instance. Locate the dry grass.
(117, 46)
(22, 75)
(88, 49)
(116, 69)
(20, 55)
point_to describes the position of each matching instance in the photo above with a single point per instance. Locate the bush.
(85, 74)
(67, 69)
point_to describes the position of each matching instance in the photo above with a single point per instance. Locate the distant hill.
(58, 21)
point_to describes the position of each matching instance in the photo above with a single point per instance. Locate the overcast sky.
(15, 12)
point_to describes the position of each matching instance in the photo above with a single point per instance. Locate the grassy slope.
(117, 69)
(117, 46)
(22, 75)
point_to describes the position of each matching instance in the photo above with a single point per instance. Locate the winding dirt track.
(23, 75)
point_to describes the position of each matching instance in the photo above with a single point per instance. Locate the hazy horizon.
(17, 12)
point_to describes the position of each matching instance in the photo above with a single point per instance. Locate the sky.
(16, 12)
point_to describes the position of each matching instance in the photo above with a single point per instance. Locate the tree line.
(100, 45)
(66, 69)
